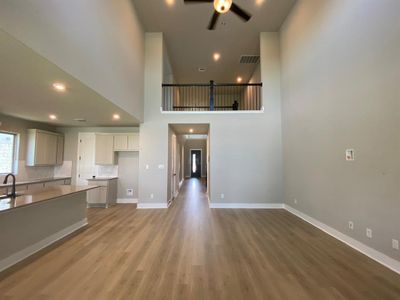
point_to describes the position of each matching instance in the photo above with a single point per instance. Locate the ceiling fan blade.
(240, 12)
(213, 21)
(194, 1)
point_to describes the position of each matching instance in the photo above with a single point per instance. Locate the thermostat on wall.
(349, 154)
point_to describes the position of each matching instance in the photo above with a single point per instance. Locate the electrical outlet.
(395, 244)
(295, 201)
(351, 225)
(151, 196)
(129, 192)
(222, 196)
(369, 233)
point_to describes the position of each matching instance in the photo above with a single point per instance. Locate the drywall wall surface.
(340, 78)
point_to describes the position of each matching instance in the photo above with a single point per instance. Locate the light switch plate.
(350, 154)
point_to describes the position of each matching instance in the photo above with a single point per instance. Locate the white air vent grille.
(249, 59)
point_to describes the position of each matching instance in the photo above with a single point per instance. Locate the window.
(7, 152)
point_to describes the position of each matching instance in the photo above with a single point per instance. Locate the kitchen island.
(39, 218)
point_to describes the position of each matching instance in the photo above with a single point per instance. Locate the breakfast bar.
(36, 219)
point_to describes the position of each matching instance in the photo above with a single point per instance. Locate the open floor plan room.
(200, 149)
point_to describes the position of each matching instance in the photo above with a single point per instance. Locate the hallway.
(192, 252)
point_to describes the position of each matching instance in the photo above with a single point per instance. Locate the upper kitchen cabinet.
(126, 142)
(104, 149)
(44, 148)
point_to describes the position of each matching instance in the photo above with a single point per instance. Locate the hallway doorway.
(195, 163)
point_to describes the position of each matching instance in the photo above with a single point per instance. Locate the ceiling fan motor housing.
(222, 6)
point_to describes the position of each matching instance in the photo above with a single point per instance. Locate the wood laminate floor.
(192, 252)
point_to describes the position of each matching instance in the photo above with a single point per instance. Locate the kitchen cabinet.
(44, 148)
(60, 150)
(120, 142)
(106, 193)
(126, 142)
(104, 149)
(133, 142)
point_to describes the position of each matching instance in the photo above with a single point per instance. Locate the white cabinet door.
(133, 142)
(120, 142)
(60, 150)
(46, 148)
(104, 149)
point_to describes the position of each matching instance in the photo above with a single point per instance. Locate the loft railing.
(212, 97)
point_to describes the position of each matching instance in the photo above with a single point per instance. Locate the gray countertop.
(101, 178)
(44, 194)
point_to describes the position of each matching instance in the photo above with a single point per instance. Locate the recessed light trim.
(216, 56)
(52, 117)
(59, 87)
(116, 117)
(202, 69)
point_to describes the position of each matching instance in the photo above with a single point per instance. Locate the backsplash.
(106, 171)
(29, 173)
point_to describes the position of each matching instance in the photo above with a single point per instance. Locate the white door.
(85, 167)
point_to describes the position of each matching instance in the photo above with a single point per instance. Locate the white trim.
(152, 205)
(220, 112)
(127, 200)
(25, 253)
(180, 183)
(381, 258)
(247, 205)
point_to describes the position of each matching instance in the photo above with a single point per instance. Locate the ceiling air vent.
(249, 59)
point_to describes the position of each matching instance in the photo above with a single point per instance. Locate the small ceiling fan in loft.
(221, 7)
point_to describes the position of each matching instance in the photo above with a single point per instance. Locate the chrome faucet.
(12, 194)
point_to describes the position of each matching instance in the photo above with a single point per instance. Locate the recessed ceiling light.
(191, 130)
(239, 79)
(58, 86)
(53, 117)
(259, 2)
(170, 2)
(217, 56)
(202, 69)
(116, 116)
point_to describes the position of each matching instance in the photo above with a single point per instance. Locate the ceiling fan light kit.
(221, 7)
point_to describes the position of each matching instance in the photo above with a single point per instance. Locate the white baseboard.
(152, 205)
(381, 258)
(25, 253)
(180, 183)
(127, 200)
(247, 205)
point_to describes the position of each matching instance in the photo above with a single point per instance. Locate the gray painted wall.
(341, 70)
(128, 174)
(195, 144)
(19, 126)
(259, 178)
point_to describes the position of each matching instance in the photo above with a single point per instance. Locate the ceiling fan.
(221, 7)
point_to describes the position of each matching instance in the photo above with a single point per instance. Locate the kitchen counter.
(39, 180)
(38, 218)
(32, 197)
(101, 178)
